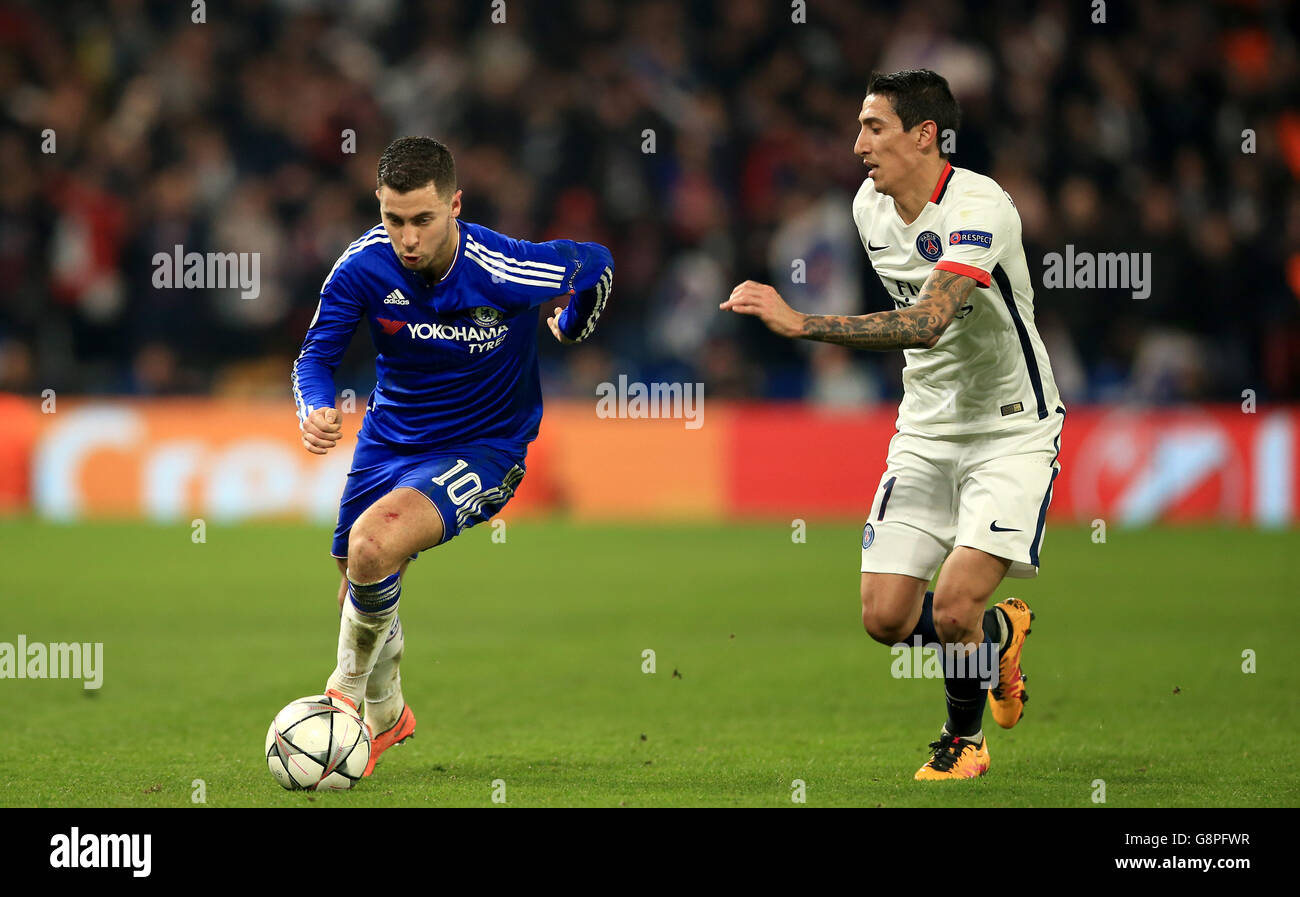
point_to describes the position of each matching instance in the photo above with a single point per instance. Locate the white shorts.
(987, 491)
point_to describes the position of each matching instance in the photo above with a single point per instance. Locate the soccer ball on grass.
(317, 743)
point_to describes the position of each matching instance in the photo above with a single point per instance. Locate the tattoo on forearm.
(915, 327)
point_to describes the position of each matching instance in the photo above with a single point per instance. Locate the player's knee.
(883, 626)
(369, 559)
(956, 614)
(887, 632)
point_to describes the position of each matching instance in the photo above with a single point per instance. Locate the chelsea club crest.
(486, 316)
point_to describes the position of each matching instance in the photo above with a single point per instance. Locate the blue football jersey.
(457, 359)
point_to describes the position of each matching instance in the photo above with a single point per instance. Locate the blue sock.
(376, 598)
(994, 621)
(967, 693)
(925, 625)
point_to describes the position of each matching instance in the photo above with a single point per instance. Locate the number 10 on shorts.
(463, 488)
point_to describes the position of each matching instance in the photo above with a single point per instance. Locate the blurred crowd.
(705, 142)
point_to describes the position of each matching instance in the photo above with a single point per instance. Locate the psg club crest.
(868, 536)
(486, 316)
(929, 246)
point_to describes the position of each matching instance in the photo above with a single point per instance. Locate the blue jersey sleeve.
(328, 336)
(530, 274)
(578, 320)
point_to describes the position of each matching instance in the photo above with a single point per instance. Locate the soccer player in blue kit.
(452, 308)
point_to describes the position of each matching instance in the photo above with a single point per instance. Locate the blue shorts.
(466, 486)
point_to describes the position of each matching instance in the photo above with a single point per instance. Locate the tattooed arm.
(918, 326)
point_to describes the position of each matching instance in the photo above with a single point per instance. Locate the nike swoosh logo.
(871, 248)
(993, 527)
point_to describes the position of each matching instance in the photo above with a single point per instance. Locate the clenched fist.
(554, 323)
(766, 304)
(321, 430)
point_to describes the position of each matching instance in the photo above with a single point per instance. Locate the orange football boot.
(1007, 700)
(398, 732)
(954, 758)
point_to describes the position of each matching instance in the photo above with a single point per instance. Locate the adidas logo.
(396, 298)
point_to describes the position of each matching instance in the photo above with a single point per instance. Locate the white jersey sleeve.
(978, 225)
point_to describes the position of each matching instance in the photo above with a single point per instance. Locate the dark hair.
(409, 163)
(919, 95)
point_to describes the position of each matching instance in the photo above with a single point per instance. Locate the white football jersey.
(989, 371)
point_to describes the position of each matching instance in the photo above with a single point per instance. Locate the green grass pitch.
(524, 664)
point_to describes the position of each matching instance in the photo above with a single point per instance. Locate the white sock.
(367, 618)
(384, 701)
(379, 687)
(977, 738)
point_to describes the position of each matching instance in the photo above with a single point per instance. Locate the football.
(317, 743)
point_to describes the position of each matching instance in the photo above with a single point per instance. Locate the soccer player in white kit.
(970, 471)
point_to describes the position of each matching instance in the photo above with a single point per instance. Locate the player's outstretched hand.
(554, 321)
(766, 304)
(321, 430)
